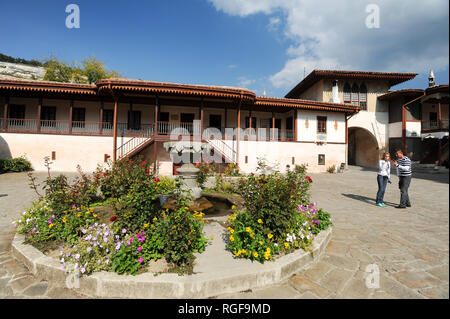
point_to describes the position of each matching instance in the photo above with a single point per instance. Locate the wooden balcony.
(164, 129)
(434, 126)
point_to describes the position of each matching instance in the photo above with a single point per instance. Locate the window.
(355, 94)
(48, 116)
(363, 97)
(322, 124)
(321, 159)
(16, 114)
(433, 119)
(163, 117)
(108, 119)
(78, 117)
(247, 122)
(134, 120)
(347, 93)
(16, 111)
(215, 121)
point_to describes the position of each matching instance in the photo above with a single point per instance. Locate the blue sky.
(259, 44)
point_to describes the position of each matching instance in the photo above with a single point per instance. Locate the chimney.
(431, 81)
(335, 92)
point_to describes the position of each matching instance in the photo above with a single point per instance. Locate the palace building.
(329, 118)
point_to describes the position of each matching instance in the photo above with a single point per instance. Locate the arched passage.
(362, 147)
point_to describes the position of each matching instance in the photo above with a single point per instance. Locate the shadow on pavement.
(367, 200)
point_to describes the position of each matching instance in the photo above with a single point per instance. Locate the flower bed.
(277, 218)
(136, 231)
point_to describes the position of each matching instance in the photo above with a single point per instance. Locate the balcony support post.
(5, 114)
(100, 126)
(39, 110)
(70, 117)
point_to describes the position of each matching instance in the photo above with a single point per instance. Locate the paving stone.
(335, 280)
(441, 272)
(308, 295)
(341, 261)
(436, 292)
(303, 284)
(63, 293)
(19, 284)
(338, 248)
(419, 279)
(38, 289)
(14, 267)
(318, 271)
(398, 290)
(275, 292)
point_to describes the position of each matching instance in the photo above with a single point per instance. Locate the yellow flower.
(231, 238)
(233, 207)
(255, 254)
(87, 213)
(64, 219)
(286, 245)
(146, 225)
(268, 250)
(51, 225)
(79, 214)
(269, 236)
(155, 219)
(266, 255)
(233, 218)
(248, 229)
(252, 235)
(231, 231)
(260, 221)
(95, 215)
(260, 243)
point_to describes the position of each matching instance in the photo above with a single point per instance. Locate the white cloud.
(413, 34)
(245, 82)
(274, 23)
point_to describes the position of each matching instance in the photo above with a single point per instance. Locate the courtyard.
(408, 247)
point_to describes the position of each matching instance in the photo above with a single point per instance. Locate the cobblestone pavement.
(409, 246)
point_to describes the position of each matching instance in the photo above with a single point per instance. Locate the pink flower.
(139, 248)
(141, 260)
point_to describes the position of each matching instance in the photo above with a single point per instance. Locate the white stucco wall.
(86, 151)
(307, 126)
(395, 129)
(377, 123)
(413, 129)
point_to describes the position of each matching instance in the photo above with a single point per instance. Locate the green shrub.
(232, 169)
(42, 224)
(92, 252)
(205, 171)
(118, 178)
(19, 164)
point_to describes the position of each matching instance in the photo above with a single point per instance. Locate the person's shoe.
(383, 205)
(379, 205)
(400, 206)
(408, 205)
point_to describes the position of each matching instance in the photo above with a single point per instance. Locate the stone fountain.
(188, 175)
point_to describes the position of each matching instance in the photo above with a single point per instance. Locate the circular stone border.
(168, 285)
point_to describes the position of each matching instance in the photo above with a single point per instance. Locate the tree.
(90, 71)
(94, 70)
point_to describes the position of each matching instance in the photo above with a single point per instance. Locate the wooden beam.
(155, 156)
(38, 125)
(5, 113)
(70, 116)
(238, 129)
(201, 119)
(439, 115)
(296, 127)
(273, 126)
(404, 129)
(156, 115)
(250, 121)
(100, 128)
(116, 104)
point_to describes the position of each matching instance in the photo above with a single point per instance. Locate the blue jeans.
(382, 182)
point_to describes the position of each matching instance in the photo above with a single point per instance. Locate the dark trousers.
(403, 184)
(382, 182)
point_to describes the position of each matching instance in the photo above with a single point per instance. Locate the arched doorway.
(362, 148)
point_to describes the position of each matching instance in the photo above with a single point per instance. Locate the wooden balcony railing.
(64, 127)
(123, 129)
(435, 125)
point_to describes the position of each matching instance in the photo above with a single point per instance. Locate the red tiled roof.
(403, 92)
(317, 75)
(306, 104)
(47, 86)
